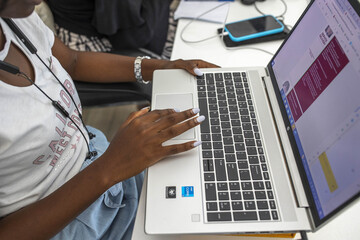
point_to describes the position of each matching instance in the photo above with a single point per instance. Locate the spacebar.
(219, 216)
(244, 216)
(205, 126)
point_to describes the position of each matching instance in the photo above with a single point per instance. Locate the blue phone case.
(255, 35)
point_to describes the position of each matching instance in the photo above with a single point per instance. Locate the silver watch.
(137, 69)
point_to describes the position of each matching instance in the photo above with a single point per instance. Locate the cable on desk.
(280, 17)
(223, 29)
(202, 40)
(240, 47)
(250, 48)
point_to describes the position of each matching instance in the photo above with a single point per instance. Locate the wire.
(77, 109)
(60, 108)
(249, 48)
(196, 18)
(281, 16)
(62, 85)
(56, 104)
(222, 33)
(241, 47)
(23, 75)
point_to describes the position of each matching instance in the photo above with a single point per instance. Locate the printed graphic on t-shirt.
(65, 128)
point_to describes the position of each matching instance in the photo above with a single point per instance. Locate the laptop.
(280, 144)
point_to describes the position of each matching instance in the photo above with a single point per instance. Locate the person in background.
(112, 25)
(61, 179)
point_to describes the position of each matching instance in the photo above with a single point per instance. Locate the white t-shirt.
(39, 148)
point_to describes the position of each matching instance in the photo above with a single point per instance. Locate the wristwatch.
(137, 69)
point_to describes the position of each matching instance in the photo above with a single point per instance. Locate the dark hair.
(3, 4)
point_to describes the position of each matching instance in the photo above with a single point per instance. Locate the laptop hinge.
(287, 151)
(267, 72)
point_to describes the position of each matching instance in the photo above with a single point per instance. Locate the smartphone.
(253, 28)
(276, 36)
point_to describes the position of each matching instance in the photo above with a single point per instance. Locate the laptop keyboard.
(236, 177)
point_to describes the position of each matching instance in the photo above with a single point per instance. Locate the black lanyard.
(15, 70)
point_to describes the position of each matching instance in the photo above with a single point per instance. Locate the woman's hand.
(192, 66)
(138, 143)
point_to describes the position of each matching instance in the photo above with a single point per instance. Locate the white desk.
(213, 50)
(346, 225)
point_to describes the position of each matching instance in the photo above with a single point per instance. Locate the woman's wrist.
(112, 168)
(148, 66)
(102, 172)
(138, 69)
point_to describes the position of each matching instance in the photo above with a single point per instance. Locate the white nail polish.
(195, 110)
(198, 72)
(195, 144)
(200, 119)
(148, 108)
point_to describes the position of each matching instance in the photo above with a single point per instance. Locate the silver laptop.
(280, 144)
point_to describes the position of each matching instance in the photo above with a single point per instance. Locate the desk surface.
(345, 226)
(213, 51)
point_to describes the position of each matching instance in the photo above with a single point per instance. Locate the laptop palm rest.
(182, 101)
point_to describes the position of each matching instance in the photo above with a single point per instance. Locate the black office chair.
(95, 94)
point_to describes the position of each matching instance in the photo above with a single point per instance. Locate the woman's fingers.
(192, 66)
(175, 118)
(136, 114)
(179, 148)
(156, 115)
(203, 64)
(177, 129)
(139, 144)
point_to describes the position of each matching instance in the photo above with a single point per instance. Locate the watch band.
(137, 69)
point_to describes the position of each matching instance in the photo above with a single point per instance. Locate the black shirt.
(127, 23)
(74, 15)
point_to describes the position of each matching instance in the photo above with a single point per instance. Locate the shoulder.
(35, 29)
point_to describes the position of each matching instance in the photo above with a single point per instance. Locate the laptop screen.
(317, 71)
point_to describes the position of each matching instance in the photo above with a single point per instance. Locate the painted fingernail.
(198, 72)
(195, 110)
(200, 119)
(176, 110)
(147, 108)
(195, 144)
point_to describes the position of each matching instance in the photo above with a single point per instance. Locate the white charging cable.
(224, 33)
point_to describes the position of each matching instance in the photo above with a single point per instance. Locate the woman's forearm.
(44, 218)
(107, 68)
(102, 67)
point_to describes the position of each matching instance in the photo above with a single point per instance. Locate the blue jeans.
(112, 215)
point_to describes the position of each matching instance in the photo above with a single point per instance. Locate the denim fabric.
(112, 215)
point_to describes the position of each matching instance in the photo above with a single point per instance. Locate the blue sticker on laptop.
(187, 191)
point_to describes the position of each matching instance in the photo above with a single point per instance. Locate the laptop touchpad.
(182, 101)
